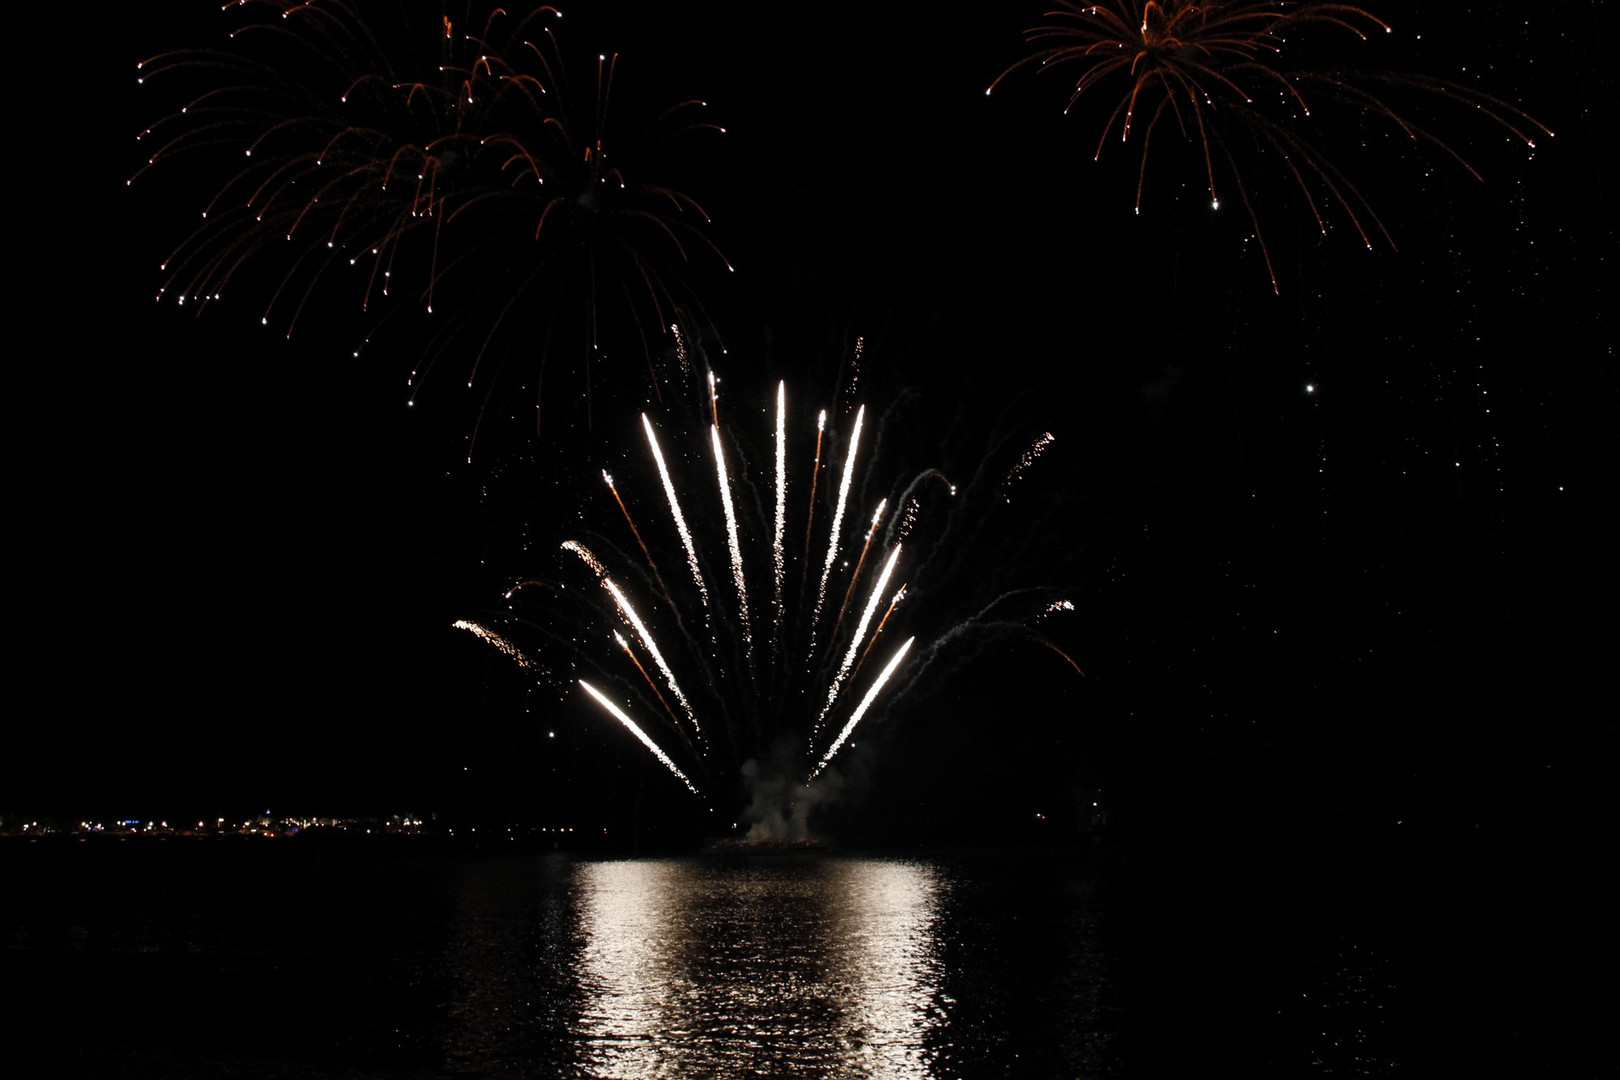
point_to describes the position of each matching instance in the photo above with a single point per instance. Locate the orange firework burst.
(1223, 74)
(442, 166)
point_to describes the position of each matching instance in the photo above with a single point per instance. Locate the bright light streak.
(620, 715)
(838, 519)
(859, 636)
(866, 703)
(675, 510)
(485, 634)
(732, 540)
(634, 620)
(780, 522)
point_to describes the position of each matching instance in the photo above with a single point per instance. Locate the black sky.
(1338, 554)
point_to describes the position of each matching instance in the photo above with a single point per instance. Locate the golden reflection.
(695, 968)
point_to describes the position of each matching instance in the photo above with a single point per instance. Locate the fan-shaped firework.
(444, 167)
(704, 626)
(1234, 78)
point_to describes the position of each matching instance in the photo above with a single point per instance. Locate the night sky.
(1336, 554)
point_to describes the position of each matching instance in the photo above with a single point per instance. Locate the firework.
(708, 701)
(490, 637)
(444, 170)
(1234, 79)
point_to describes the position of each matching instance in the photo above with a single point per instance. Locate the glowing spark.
(1209, 68)
(634, 620)
(619, 715)
(484, 633)
(628, 520)
(680, 349)
(810, 514)
(859, 636)
(732, 540)
(584, 553)
(675, 510)
(860, 562)
(631, 653)
(899, 596)
(866, 703)
(907, 520)
(1029, 457)
(780, 522)
(838, 520)
(1067, 659)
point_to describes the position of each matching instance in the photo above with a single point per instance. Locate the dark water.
(215, 959)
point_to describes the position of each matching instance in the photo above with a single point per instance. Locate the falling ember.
(1228, 78)
(434, 124)
(866, 703)
(1067, 659)
(585, 555)
(635, 729)
(680, 349)
(854, 386)
(485, 634)
(1024, 462)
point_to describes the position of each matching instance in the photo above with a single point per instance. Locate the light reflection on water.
(770, 966)
(411, 964)
(801, 965)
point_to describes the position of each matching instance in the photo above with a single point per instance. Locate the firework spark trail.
(680, 349)
(658, 752)
(1213, 66)
(780, 521)
(1029, 457)
(733, 542)
(899, 596)
(747, 710)
(860, 562)
(1041, 639)
(853, 386)
(810, 512)
(675, 510)
(628, 520)
(900, 525)
(586, 556)
(455, 160)
(856, 639)
(866, 703)
(634, 620)
(837, 523)
(485, 634)
(652, 650)
(634, 659)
